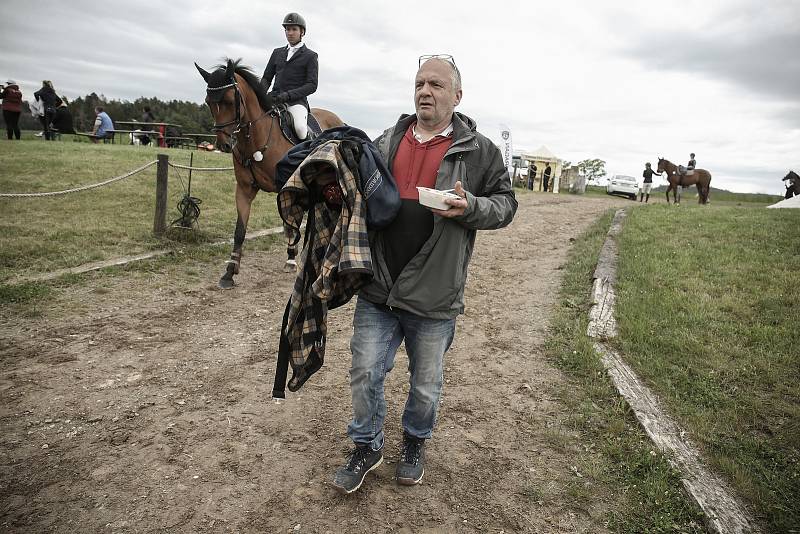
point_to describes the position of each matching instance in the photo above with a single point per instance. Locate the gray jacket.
(432, 283)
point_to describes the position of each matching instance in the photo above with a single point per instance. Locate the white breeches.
(300, 119)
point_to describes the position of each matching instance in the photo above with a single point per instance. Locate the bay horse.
(700, 177)
(247, 124)
(793, 184)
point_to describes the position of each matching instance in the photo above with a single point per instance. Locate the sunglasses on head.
(444, 57)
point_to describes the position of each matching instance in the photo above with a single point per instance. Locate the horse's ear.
(229, 70)
(205, 74)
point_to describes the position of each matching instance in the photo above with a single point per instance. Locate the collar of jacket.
(463, 134)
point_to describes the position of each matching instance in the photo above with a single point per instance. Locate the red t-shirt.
(415, 164)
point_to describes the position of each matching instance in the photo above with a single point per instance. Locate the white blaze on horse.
(699, 177)
(247, 124)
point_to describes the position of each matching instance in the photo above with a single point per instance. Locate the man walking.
(420, 264)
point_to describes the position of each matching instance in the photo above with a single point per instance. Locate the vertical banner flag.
(508, 150)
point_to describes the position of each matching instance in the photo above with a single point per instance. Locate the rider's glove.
(284, 98)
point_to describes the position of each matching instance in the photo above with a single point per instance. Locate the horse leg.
(291, 251)
(244, 199)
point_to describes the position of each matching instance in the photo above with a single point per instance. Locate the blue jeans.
(377, 334)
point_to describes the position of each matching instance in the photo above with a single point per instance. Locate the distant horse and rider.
(792, 184)
(683, 177)
(247, 123)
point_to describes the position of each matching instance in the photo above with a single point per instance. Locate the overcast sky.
(622, 81)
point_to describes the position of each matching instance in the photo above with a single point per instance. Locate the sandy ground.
(149, 409)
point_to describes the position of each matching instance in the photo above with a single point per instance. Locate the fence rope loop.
(83, 188)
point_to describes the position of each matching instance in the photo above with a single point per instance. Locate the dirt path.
(148, 409)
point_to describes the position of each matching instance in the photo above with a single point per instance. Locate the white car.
(619, 184)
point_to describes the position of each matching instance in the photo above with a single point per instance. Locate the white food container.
(433, 198)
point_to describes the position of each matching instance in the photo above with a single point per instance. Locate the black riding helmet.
(294, 19)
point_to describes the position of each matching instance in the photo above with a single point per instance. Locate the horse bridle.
(237, 120)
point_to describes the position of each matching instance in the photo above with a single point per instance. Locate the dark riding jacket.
(432, 283)
(297, 76)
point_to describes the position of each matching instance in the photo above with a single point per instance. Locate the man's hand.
(458, 206)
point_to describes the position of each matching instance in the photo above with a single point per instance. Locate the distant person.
(647, 184)
(12, 107)
(62, 120)
(103, 125)
(546, 177)
(295, 69)
(683, 171)
(172, 133)
(147, 116)
(48, 97)
(531, 176)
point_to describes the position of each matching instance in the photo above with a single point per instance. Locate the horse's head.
(224, 101)
(661, 165)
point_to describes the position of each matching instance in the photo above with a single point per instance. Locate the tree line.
(193, 118)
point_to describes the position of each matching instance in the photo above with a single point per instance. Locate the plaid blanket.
(335, 261)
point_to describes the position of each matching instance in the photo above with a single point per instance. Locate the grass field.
(708, 316)
(43, 234)
(617, 452)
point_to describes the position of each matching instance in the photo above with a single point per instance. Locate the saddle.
(286, 122)
(683, 171)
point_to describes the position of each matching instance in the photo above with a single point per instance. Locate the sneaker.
(411, 466)
(361, 461)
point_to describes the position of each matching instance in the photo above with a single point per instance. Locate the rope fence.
(83, 188)
(159, 223)
(208, 169)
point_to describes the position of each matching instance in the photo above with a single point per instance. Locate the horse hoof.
(290, 266)
(225, 283)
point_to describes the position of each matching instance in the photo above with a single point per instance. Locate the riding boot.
(641, 197)
(647, 198)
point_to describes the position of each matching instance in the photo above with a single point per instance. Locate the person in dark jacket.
(531, 176)
(647, 183)
(295, 70)
(420, 268)
(47, 95)
(62, 119)
(12, 107)
(147, 116)
(546, 178)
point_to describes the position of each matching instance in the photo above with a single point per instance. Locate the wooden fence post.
(162, 172)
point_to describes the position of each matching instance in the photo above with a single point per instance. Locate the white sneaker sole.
(410, 481)
(344, 491)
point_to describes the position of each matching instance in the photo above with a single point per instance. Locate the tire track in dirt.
(153, 402)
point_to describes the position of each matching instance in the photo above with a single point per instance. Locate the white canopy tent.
(541, 157)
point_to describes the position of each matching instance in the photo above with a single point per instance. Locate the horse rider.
(691, 165)
(294, 68)
(689, 169)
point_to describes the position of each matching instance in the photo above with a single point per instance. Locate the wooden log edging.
(724, 513)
